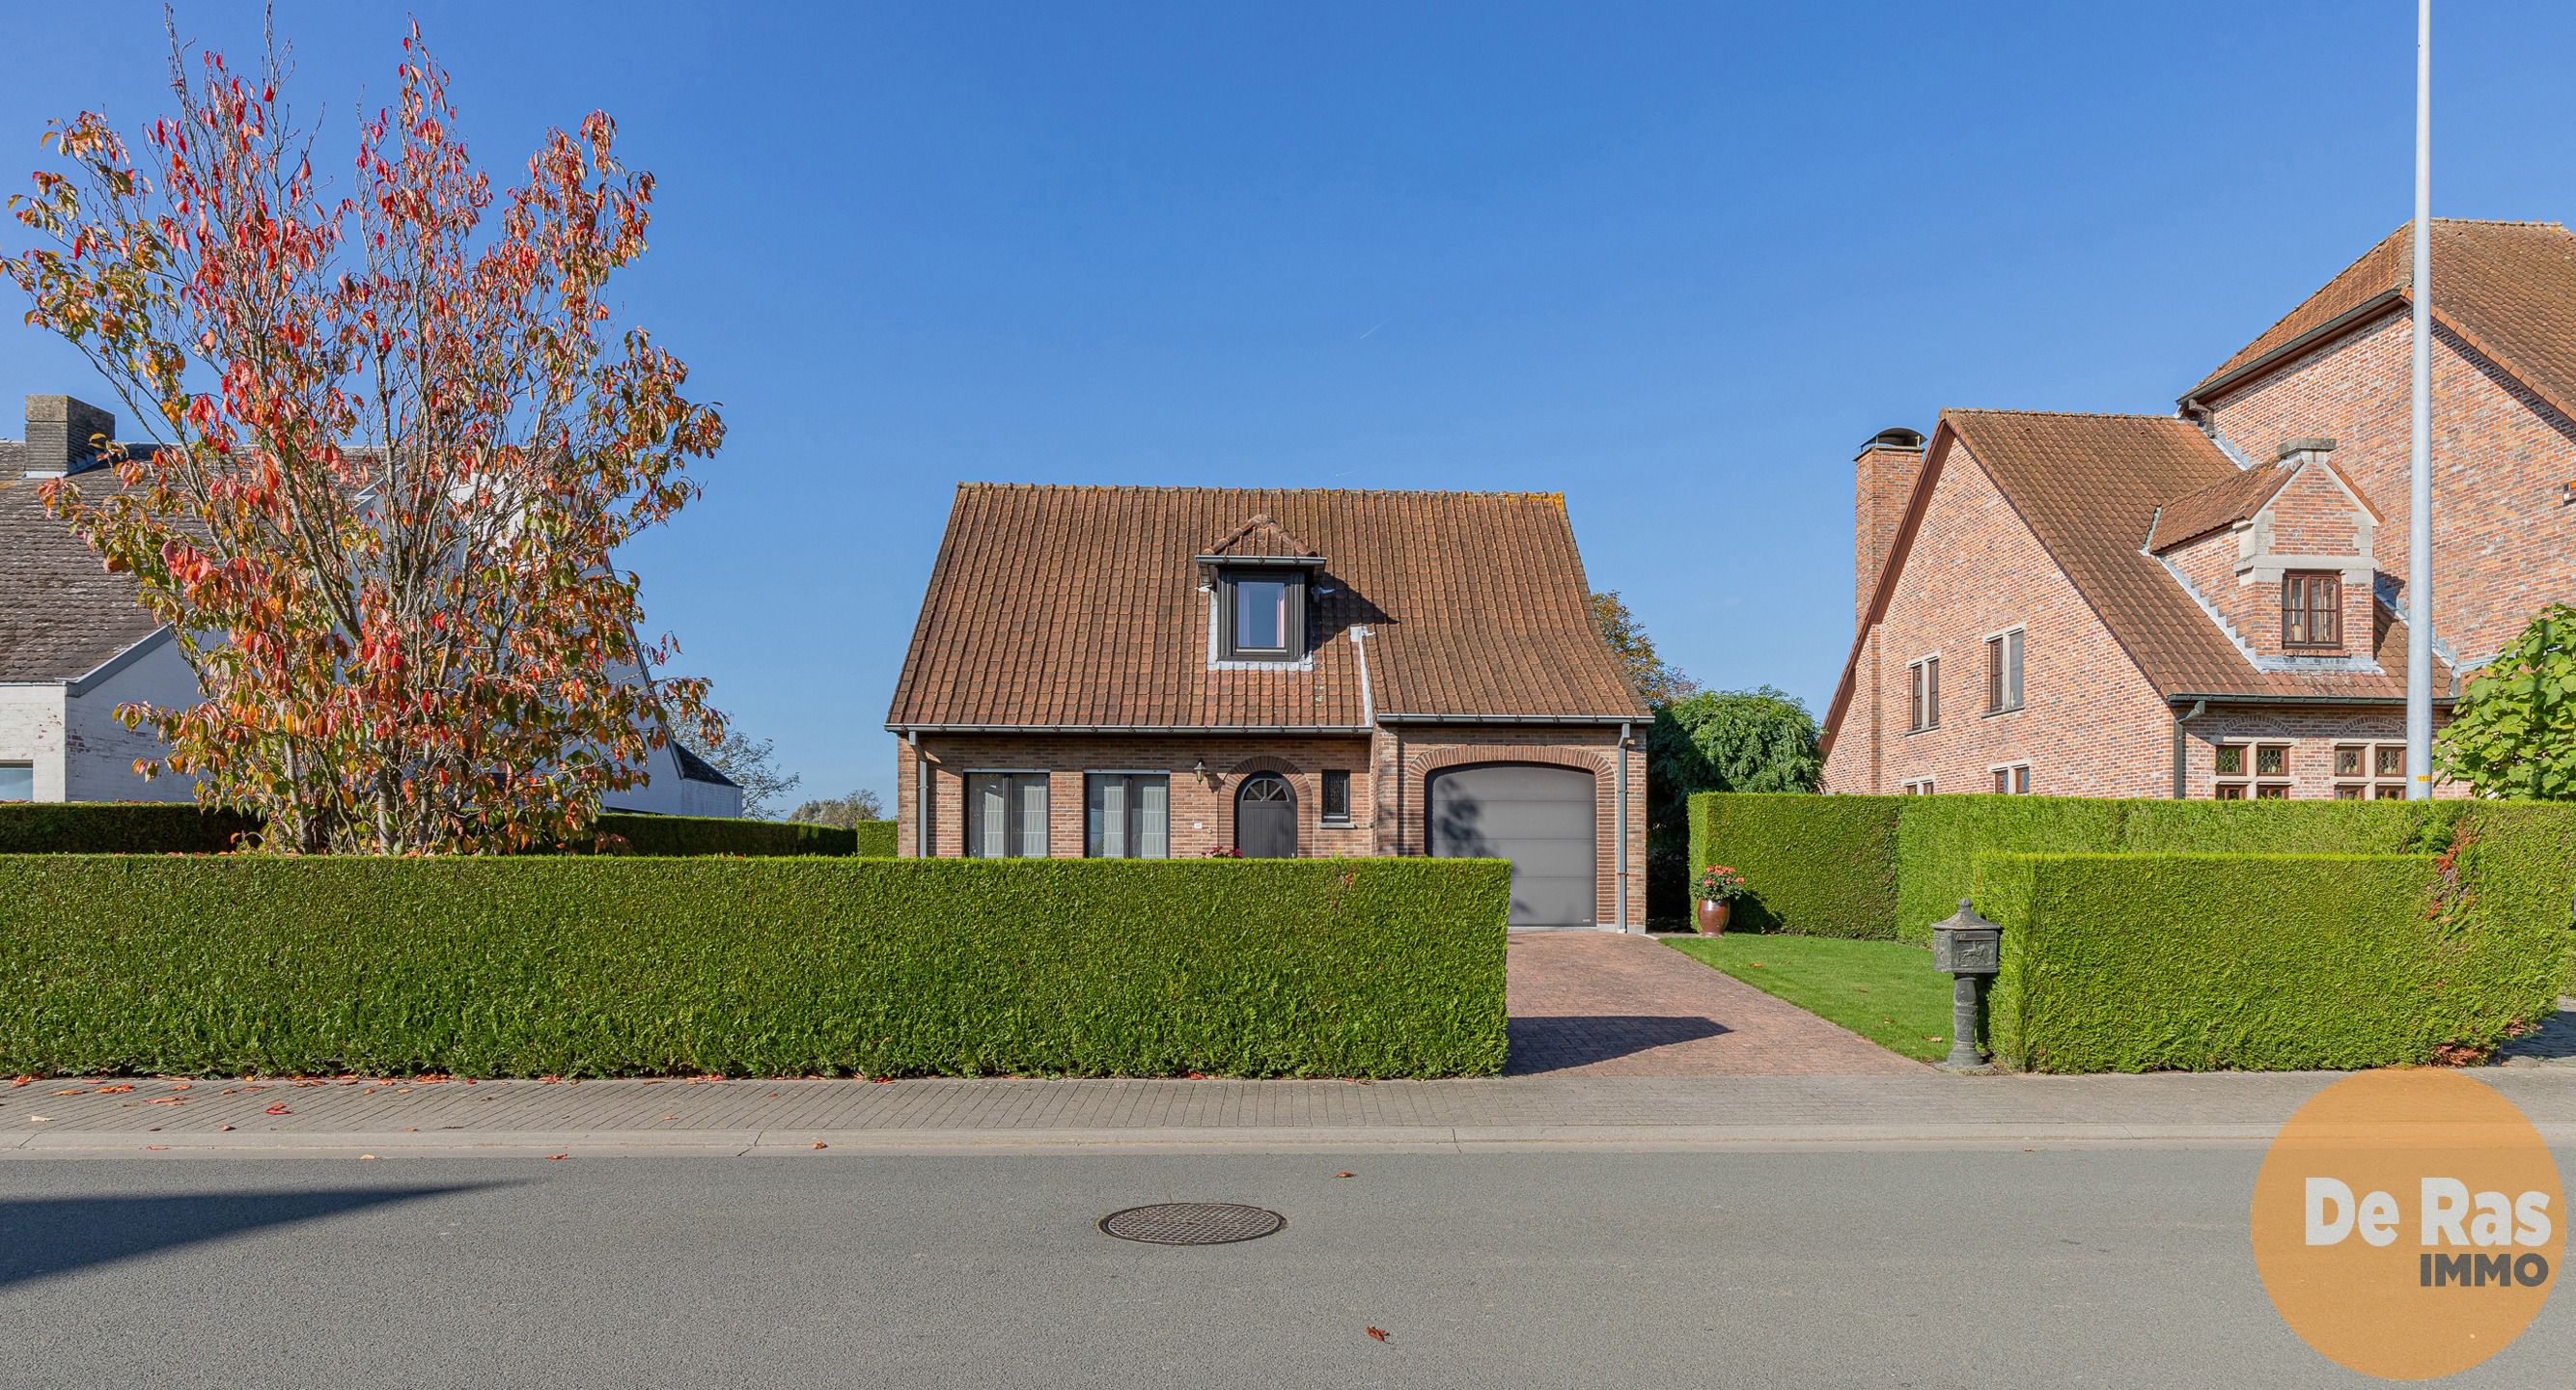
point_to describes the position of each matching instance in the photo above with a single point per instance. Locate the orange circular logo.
(2408, 1224)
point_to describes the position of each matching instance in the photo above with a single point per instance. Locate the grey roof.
(697, 769)
(61, 613)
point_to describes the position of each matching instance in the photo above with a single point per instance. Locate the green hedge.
(874, 840)
(1938, 839)
(596, 966)
(2286, 827)
(119, 827)
(145, 827)
(2129, 962)
(693, 835)
(1817, 865)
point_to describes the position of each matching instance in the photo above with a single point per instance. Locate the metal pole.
(2419, 528)
(1619, 823)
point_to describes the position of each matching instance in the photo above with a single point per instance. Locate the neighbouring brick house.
(1170, 672)
(2212, 603)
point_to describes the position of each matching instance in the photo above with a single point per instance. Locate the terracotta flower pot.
(1713, 915)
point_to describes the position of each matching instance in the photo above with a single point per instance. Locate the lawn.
(1886, 991)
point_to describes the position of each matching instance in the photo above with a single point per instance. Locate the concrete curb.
(1231, 1139)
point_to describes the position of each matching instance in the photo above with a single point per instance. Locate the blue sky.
(1675, 261)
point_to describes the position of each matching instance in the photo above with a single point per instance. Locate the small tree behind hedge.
(2513, 733)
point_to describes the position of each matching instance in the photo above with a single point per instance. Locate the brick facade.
(2334, 419)
(2504, 543)
(2090, 724)
(1390, 772)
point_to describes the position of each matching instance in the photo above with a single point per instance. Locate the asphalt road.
(2110, 1267)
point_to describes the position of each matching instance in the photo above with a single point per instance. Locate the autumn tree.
(2513, 732)
(1657, 682)
(398, 442)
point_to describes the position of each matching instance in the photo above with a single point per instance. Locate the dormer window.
(2312, 609)
(1265, 615)
(1257, 577)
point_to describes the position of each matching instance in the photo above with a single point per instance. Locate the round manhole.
(1192, 1223)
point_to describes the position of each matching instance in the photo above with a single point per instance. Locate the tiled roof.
(61, 612)
(2226, 502)
(1263, 538)
(2088, 487)
(2508, 288)
(1082, 607)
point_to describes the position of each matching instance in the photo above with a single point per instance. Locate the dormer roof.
(1261, 540)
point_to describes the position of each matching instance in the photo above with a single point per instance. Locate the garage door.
(1540, 818)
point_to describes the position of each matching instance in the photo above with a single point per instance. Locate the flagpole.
(2419, 528)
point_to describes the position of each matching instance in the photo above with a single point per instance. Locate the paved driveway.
(1604, 1004)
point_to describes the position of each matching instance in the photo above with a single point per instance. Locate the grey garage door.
(1540, 818)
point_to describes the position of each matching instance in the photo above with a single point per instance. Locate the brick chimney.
(60, 435)
(1882, 483)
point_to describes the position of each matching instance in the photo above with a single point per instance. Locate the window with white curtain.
(1006, 815)
(1127, 815)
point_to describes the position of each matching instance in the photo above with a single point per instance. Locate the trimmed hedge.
(119, 827)
(2288, 827)
(594, 966)
(1817, 865)
(161, 827)
(693, 835)
(874, 840)
(1938, 839)
(2128, 962)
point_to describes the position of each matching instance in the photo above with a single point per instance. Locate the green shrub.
(2285, 827)
(691, 835)
(597, 966)
(1939, 837)
(1818, 865)
(119, 827)
(2134, 962)
(874, 839)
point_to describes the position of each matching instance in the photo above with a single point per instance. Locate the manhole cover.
(1191, 1223)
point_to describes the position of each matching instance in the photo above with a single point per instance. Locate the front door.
(1265, 818)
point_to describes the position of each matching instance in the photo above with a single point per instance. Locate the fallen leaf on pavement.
(552, 1157)
(40, 1119)
(156, 1148)
(228, 1126)
(364, 1157)
(279, 1109)
(116, 1090)
(1346, 1175)
(821, 1145)
(1377, 1333)
(17, 1081)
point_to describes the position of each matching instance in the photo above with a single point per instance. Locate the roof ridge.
(2063, 414)
(1557, 496)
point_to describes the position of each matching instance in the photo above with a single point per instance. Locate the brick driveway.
(1604, 1004)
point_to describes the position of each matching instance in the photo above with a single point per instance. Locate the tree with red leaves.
(397, 444)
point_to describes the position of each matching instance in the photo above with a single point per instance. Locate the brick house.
(1170, 672)
(2212, 603)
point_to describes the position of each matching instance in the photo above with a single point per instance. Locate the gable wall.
(2090, 724)
(2504, 545)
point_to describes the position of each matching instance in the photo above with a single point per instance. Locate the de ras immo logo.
(2408, 1224)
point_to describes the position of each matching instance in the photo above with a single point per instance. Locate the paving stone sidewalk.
(146, 1116)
